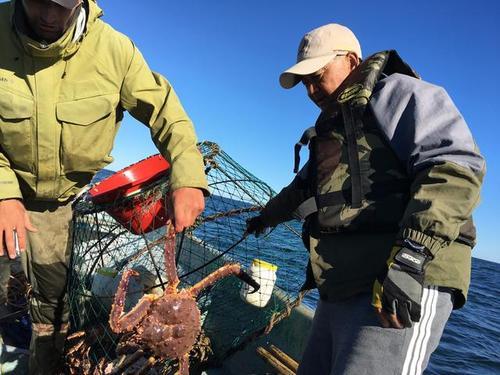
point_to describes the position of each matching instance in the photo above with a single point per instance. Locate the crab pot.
(127, 230)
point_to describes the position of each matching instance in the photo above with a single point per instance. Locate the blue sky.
(224, 58)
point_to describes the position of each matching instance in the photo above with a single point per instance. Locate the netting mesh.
(104, 248)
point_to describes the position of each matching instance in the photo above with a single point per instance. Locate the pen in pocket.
(16, 244)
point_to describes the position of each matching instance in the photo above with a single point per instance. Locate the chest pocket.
(16, 112)
(88, 132)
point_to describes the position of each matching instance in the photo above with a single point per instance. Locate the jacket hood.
(68, 43)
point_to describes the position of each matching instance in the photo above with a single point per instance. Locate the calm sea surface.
(471, 340)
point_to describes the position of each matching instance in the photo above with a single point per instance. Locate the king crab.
(167, 325)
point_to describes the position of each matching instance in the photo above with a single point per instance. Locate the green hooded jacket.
(61, 106)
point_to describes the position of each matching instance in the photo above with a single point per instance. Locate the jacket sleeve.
(150, 99)
(9, 185)
(431, 138)
(282, 207)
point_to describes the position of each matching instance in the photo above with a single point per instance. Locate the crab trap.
(120, 225)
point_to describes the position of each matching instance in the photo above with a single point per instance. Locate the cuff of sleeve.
(177, 182)
(193, 184)
(188, 172)
(432, 243)
(266, 219)
(10, 190)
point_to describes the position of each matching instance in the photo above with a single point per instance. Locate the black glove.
(256, 226)
(402, 287)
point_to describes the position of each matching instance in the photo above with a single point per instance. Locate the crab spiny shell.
(172, 326)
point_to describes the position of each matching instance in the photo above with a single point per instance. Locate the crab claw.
(245, 277)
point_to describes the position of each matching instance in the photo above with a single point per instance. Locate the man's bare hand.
(188, 203)
(13, 218)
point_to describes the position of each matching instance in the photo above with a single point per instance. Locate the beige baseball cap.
(317, 48)
(69, 4)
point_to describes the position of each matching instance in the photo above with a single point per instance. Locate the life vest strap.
(352, 125)
(308, 134)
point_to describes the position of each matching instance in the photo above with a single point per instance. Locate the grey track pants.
(347, 339)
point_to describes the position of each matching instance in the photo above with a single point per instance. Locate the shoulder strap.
(353, 125)
(355, 93)
(304, 141)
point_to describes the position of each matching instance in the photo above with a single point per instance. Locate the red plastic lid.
(130, 179)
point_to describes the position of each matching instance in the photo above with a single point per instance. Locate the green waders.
(46, 264)
(4, 278)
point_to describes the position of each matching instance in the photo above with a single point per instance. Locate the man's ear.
(354, 60)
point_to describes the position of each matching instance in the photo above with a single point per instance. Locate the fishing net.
(105, 245)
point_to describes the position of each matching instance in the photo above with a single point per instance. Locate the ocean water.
(470, 344)
(471, 340)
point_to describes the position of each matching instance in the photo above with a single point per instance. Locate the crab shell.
(172, 326)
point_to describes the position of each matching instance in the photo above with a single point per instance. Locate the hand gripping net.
(103, 249)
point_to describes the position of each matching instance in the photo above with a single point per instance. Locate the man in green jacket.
(387, 196)
(66, 77)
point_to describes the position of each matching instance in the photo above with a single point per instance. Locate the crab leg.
(120, 322)
(184, 365)
(76, 347)
(149, 363)
(170, 267)
(75, 335)
(227, 270)
(127, 361)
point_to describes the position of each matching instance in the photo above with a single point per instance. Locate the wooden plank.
(275, 363)
(284, 358)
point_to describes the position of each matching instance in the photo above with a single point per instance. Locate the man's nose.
(48, 14)
(310, 88)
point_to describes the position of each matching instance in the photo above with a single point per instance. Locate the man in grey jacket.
(387, 196)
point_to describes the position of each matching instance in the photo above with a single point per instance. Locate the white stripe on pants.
(421, 333)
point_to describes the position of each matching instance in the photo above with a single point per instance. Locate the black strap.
(351, 125)
(467, 234)
(306, 208)
(304, 141)
(373, 192)
(331, 199)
